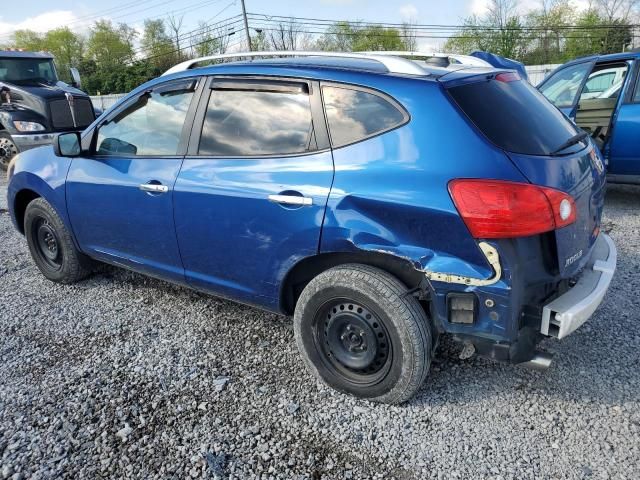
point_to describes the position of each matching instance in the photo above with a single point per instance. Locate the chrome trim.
(153, 188)
(71, 101)
(291, 200)
(393, 64)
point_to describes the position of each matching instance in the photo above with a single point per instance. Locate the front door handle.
(291, 200)
(153, 188)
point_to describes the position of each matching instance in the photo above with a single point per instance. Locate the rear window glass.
(514, 116)
(354, 115)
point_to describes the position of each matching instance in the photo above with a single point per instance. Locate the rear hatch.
(544, 145)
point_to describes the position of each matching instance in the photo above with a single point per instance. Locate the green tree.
(376, 37)
(27, 40)
(67, 47)
(157, 45)
(110, 46)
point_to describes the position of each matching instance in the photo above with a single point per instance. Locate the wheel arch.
(308, 268)
(22, 199)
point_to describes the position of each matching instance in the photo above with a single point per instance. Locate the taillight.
(507, 77)
(501, 209)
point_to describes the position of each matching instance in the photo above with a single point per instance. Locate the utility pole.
(246, 25)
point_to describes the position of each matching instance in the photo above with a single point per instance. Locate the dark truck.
(35, 104)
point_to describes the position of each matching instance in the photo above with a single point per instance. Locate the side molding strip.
(490, 253)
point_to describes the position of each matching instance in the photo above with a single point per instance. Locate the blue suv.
(380, 202)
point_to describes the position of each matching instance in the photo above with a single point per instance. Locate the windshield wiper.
(572, 141)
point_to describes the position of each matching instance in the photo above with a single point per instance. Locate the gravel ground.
(126, 376)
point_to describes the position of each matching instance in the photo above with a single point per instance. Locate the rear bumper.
(32, 140)
(569, 311)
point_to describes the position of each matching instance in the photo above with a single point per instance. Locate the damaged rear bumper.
(569, 311)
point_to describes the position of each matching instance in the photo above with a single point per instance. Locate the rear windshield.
(514, 116)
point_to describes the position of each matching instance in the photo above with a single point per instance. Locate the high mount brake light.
(502, 209)
(507, 77)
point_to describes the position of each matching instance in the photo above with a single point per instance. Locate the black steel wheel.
(8, 150)
(359, 332)
(51, 245)
(354, 341)
(47, 244)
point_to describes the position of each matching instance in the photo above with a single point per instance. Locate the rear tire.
(360, 333)
(8, 150)
(51, 245)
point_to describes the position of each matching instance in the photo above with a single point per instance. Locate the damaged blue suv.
(380, 202)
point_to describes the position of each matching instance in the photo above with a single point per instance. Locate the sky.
(42, 15)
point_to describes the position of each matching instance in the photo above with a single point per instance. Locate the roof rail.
(463, 59)
(393, 64)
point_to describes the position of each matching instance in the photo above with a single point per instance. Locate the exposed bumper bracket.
(490, 253)
(569, 311)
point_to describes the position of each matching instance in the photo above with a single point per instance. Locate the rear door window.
(253, 119)
(514, 115)
(355, 115)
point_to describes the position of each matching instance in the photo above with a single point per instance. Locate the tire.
(8, 150)
(51, 245)
(359, 333)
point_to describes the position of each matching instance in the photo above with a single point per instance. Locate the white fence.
(537, 73)
(105, 101)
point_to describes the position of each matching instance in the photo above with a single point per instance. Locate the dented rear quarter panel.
(390, 194)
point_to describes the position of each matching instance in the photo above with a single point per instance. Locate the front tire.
(8, 150)
(51, 245)
(360, 333)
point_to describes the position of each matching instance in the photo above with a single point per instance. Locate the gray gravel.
(125, 376)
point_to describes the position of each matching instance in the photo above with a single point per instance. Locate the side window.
(636, 94)
(151, 126)
(252, 119)
(562, 87)
(354, 115)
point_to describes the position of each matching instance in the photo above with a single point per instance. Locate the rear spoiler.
(502, 62)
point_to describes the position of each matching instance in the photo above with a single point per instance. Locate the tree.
(157, 45)
(175, 26)
(110, 46)
(500, 30)
(27, 40)
(288, 36)
(67, 48)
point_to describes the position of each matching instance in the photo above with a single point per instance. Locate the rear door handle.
(291, 200)
(153, 188)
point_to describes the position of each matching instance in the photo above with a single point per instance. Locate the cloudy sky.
(43, 15)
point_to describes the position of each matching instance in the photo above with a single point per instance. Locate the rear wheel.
(8, 150)
(360, 333)
(51, 245)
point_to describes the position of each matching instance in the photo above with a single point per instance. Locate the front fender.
(41, 172)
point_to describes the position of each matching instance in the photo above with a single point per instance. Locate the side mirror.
(76, 81)
(67, 145)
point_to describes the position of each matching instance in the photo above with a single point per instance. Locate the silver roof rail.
(463, 59)
(393, 64)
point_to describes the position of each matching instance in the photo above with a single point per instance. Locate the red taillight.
(507, 77)
(501, 209)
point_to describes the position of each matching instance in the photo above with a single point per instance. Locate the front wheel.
(51, 245)
(8, 150)
(360, 333)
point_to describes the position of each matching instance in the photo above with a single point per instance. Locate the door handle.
(153, 188)
(291, 200)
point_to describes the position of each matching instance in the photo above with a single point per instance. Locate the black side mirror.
(67, 145)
